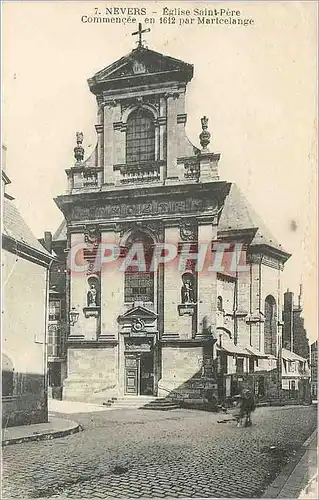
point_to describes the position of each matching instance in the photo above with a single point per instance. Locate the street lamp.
(73, 316)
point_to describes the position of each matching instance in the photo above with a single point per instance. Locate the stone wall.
(23, 340)
(92, 373)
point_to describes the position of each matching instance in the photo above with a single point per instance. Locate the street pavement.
(176, 454)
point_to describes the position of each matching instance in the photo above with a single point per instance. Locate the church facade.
(165, 330)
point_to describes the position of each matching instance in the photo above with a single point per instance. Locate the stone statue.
(92, 296)
(187, 291)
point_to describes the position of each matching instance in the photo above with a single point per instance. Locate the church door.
(131, 374)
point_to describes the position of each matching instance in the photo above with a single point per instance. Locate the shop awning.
(233, 349)
(254, 352)
(291, 356)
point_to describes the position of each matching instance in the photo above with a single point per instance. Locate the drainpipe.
(280, 326)
(45, 343)
(235, 310)
(250, 299)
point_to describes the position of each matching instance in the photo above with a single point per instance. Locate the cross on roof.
(139, 33)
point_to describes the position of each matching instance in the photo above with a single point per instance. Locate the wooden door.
(131, 374)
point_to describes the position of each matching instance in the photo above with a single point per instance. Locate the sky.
(256, 84)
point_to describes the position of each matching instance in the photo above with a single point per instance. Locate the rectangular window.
(138, 287)
(54, 310)
(54, 341)
(140, 137)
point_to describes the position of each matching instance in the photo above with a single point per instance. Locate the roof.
(238, 214)
(5, 178)
(291, 356)
(137, 66)
(15, 227)
(233, 349)
(254, 352)
(61, 233)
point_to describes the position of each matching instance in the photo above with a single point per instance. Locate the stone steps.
(141, 402)
(128, 402)
(162, 404)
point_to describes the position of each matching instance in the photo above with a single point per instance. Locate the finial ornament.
(204, 136)
(79, 150)
(139, 33)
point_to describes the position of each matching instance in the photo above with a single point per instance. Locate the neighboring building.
(314, 369)
(168, 332)
(25, 265)
(295, 376)
(294, 333)
(57, 318)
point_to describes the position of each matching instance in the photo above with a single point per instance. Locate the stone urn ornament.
(204, 136)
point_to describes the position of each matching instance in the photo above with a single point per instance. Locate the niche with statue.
(188, 294)
(92, 297)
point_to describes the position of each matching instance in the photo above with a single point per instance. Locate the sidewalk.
(57, 406)
(56, 427)
(299, 479)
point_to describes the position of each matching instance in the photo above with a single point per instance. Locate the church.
(164, 331)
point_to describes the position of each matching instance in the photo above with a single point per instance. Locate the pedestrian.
(248, 405)
(238, 411)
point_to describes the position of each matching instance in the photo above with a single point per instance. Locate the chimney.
(300, 298)
(48, 241)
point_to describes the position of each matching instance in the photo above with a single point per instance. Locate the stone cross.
(139, 33)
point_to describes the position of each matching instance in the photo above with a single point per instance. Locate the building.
(173, 331)
(294, 333)
(295, 376)
(314, 369)
(57, 316)
(25, 266)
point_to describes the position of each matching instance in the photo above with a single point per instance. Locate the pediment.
(140, 62)
(139, 312)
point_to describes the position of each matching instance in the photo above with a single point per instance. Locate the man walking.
(248, 405)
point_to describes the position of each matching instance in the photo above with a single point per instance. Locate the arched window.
(270, 326)
(138, 283)
(140, 136)
(220, 304)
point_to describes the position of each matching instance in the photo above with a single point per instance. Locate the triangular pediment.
(137, 65)
(139, 312)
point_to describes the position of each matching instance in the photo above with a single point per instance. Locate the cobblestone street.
(139, 453)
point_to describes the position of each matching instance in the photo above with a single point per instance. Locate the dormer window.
(140, 136)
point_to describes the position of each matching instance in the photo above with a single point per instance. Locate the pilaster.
(172, 169)
(172, 284)
(207, 283)
(112, 288)
(108, 144)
